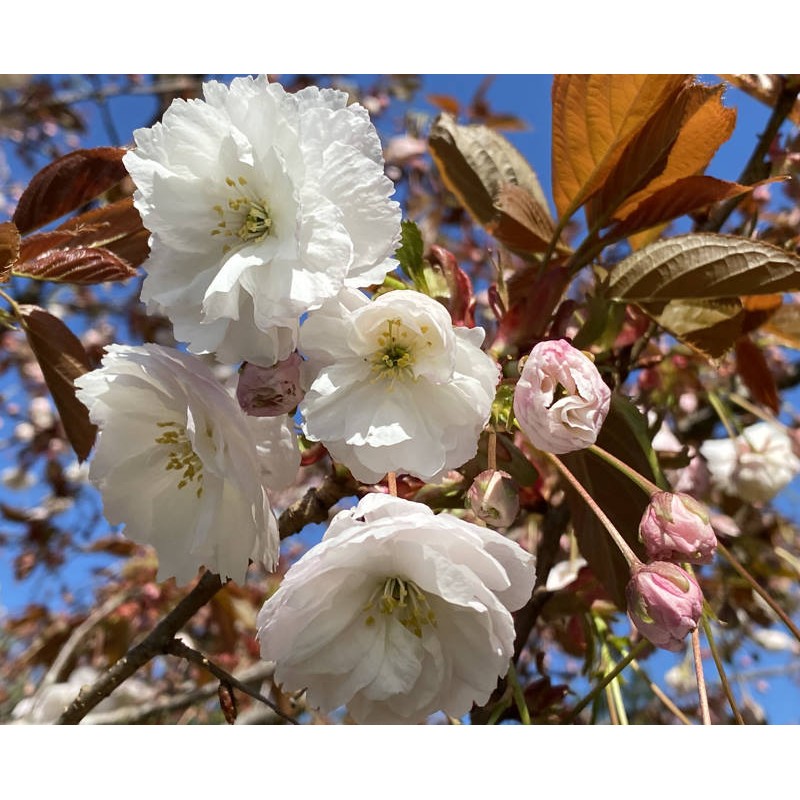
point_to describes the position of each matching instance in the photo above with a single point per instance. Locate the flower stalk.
(627, 552)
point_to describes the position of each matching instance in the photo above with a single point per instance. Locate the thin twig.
(701, 681)
(660, 694)
(178, 648)
(620, 542)
(726, 687)
(56, 673)
(132, 714)
(759, 590)
(152, 645)
(756, 169)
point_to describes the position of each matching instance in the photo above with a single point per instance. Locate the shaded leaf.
(756, 375)
(704, 266)
(533, 298)
(116, 227)
(475, 162)
(105, 244)
(62, 359)
(705, 125)
(595, 117)
(68, 183)
(624, 434)
(709, 326)
(9, 249)
(520, 223)
(784, 325)
(684, 196)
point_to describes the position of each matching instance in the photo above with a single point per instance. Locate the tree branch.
(140, 712)
(155, 643)
(178, 648)
(57, 671)
(313, 507)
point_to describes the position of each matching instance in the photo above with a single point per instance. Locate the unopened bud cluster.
(665, 602)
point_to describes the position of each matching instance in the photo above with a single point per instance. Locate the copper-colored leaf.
(67, 184)
(645, 156)
(704, 125)
(475, 162)
(105, 244)
(704, 266)
(9, 249)
(595, 117)
(683, 196)
(521, 224)
(444, 102)
(624, 433)
(116, 227)
(113, 545)
(62, 359)
(756, 375)
(80, 265)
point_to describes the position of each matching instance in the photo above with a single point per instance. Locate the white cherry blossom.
(397, 613)
(261, 204)
(181, 466)
(755, 465)
(396, 388)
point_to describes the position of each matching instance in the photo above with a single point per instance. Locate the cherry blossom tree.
(364, 428)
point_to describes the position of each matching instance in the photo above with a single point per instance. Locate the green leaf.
(410, 252)
(704, 266)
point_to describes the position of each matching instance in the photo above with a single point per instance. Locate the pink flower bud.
(675, 527)
(664, 603)
(560, 400)
(270, 391)
(494, 498)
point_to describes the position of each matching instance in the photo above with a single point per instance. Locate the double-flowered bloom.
(560, 400)
(397, 613)
(397, 388)
(261, 205)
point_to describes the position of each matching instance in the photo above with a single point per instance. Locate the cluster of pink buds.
(665, 602)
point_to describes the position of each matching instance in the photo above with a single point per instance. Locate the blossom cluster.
(269, 216)
(272, 233)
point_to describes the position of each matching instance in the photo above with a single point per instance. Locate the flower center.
(181, 455)
(407, 599)
(394, 358)
(245, 217)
